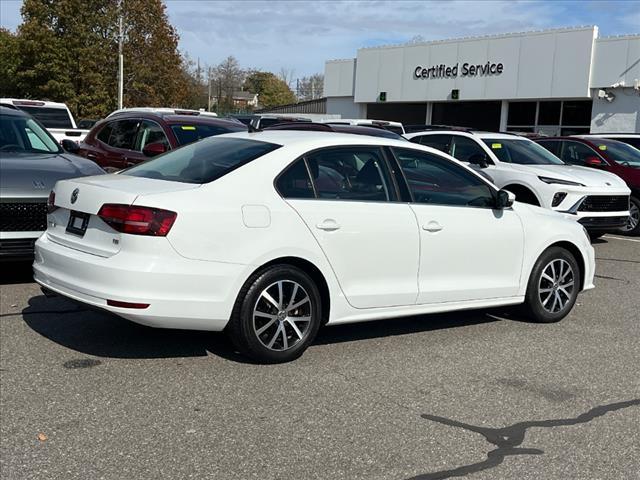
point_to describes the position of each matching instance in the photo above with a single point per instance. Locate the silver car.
(31, 162)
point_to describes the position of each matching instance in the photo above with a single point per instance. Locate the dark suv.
(128, 137)
(605, 154)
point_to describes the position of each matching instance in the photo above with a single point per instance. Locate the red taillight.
(51, 202)
(138, 220)
(118, 303)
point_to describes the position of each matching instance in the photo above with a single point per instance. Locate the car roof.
(315, 139)
(469, 133)
(171, 118)
(27, 102)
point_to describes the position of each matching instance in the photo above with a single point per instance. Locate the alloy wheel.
(556, 285)
(282, 315)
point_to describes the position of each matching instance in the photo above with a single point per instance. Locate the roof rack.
(422, 128)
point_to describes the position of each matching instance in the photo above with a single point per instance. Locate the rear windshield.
(49, 117)
(189, 133)
(202, 162)
(522, 152)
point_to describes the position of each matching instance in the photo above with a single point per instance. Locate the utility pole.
(120, 56)
(209, 97)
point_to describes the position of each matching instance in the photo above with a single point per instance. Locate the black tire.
(538, 302)
(631, 230)
(243, 328)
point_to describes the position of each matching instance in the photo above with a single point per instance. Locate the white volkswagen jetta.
(270, 235)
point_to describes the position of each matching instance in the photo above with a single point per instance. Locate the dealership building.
(561, 81)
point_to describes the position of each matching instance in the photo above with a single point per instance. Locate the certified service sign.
(452, 71)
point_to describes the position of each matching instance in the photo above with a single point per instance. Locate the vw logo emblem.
(74, 195)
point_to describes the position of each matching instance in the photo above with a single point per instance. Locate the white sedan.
(271, 235)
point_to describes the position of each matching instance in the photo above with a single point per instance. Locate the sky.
(300, 36)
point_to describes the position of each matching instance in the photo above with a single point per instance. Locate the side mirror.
(479, 159)
(505, 199)
(153, 149)
(594, 161)
(70, 146)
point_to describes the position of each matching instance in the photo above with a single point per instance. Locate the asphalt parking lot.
(478, 395)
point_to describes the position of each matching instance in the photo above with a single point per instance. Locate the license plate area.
(78, 222)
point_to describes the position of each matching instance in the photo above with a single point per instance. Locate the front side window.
(622, 153)
(350, 173)
(521, 152)
(123, 134)
(295, 182)
(466, 150)
(439, 142)
(150, 132)
(437, 181)
(202, 162)
(189, 133)
(576, 153)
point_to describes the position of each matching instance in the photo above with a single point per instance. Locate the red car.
(131, 136)
(606, 154)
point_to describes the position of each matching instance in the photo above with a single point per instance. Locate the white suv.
(599, 200)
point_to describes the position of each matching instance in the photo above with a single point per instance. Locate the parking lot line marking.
(622, 238)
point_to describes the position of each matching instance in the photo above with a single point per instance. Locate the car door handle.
(92, 156)
(432, 227)
(328, 225)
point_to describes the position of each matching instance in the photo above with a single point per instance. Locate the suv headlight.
(559, 181)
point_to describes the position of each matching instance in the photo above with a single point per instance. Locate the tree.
(310, 88)
(8, 63)
(226, 78)
(67, 51)
(271, 90)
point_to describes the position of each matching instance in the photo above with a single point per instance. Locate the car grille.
(23, 217)
(17, 247)
(605, 203)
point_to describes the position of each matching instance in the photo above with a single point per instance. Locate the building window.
(550, 117)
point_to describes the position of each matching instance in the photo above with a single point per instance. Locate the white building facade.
(557, 82)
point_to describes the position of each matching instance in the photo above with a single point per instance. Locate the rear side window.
(439, 142)
(350, 173)
(104, 133)
(50, 117)
(295, 182)
(202, 162)
(552, 145)
(123, 134)
(189, 133)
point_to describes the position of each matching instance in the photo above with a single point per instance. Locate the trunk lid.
(79, 200)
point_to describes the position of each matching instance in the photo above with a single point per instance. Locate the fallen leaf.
(42, 437)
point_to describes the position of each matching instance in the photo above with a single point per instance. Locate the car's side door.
(347, 197)
(469, 250)
(148, 132)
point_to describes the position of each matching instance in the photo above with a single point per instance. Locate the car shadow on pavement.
(16, 272)
(402, 326)
(102, 334)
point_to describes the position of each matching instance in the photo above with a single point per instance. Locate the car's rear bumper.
(181, 293)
